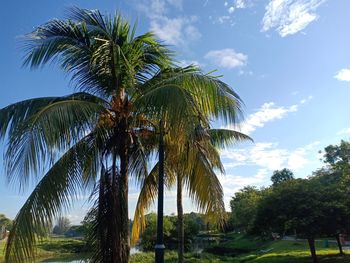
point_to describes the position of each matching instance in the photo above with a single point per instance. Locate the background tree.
(62, 226)
(334, 181)
(338, 156)
(148, 237)
(335, 199)
(280, 176)
(244, 206)
(6, 222)
(292, 205)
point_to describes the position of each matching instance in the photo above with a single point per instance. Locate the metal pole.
(159, 248)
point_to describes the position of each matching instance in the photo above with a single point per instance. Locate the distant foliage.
(62, 226)
(243, 208)
(280, 176)
(338, 156)
(193, 223)
(4, 221)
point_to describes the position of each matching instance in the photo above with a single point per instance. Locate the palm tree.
(125, 85)
(191, 162)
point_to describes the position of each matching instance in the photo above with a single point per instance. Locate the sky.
(288, 60)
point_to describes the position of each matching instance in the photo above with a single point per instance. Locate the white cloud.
(227, 58)
(245, 73)
(345, 131)
(238, 4)
(241, 3)
(267, 113)
(343, 74)
(178, 30)
(223, 19)
(290, 16)
(232, 183)
(175, 31)
(266, 156)
(269, 156)
(305, 100)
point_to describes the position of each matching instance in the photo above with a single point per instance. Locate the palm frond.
(205, 189)
(223, 138)
(147, 196)
(212, 97)
(41, 136)
(62, 184)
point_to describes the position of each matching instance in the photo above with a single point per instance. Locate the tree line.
(315, 207)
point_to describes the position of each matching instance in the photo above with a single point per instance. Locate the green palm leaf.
(42, 131)
(62, 184)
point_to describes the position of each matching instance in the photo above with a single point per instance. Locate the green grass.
(2, 246)
(297, 252)
(53, 247)
(282, 252)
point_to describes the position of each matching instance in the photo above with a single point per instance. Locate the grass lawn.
(295, 252)
(282, 252)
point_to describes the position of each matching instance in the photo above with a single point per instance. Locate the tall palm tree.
(191, 162)
(202, 184)
(93, 139)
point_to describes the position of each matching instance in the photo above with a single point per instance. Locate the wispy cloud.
(179, 30)
(269, 156)
(175, 31)
(290, 16)
(268, 112)
(241, 3)
(343, 74)
(345, 131)
(303, 101)
(231, 183)
(238, 4)
(227, 58)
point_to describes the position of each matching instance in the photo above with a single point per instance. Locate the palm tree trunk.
(108, 220)
(113, 217)
(180, 221)
(124, 246)
(311, 242)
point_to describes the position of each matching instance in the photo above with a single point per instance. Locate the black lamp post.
(159, 248)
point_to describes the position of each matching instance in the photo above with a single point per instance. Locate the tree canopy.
(280, 176)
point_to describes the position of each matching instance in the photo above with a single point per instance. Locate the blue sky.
(289, 60)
